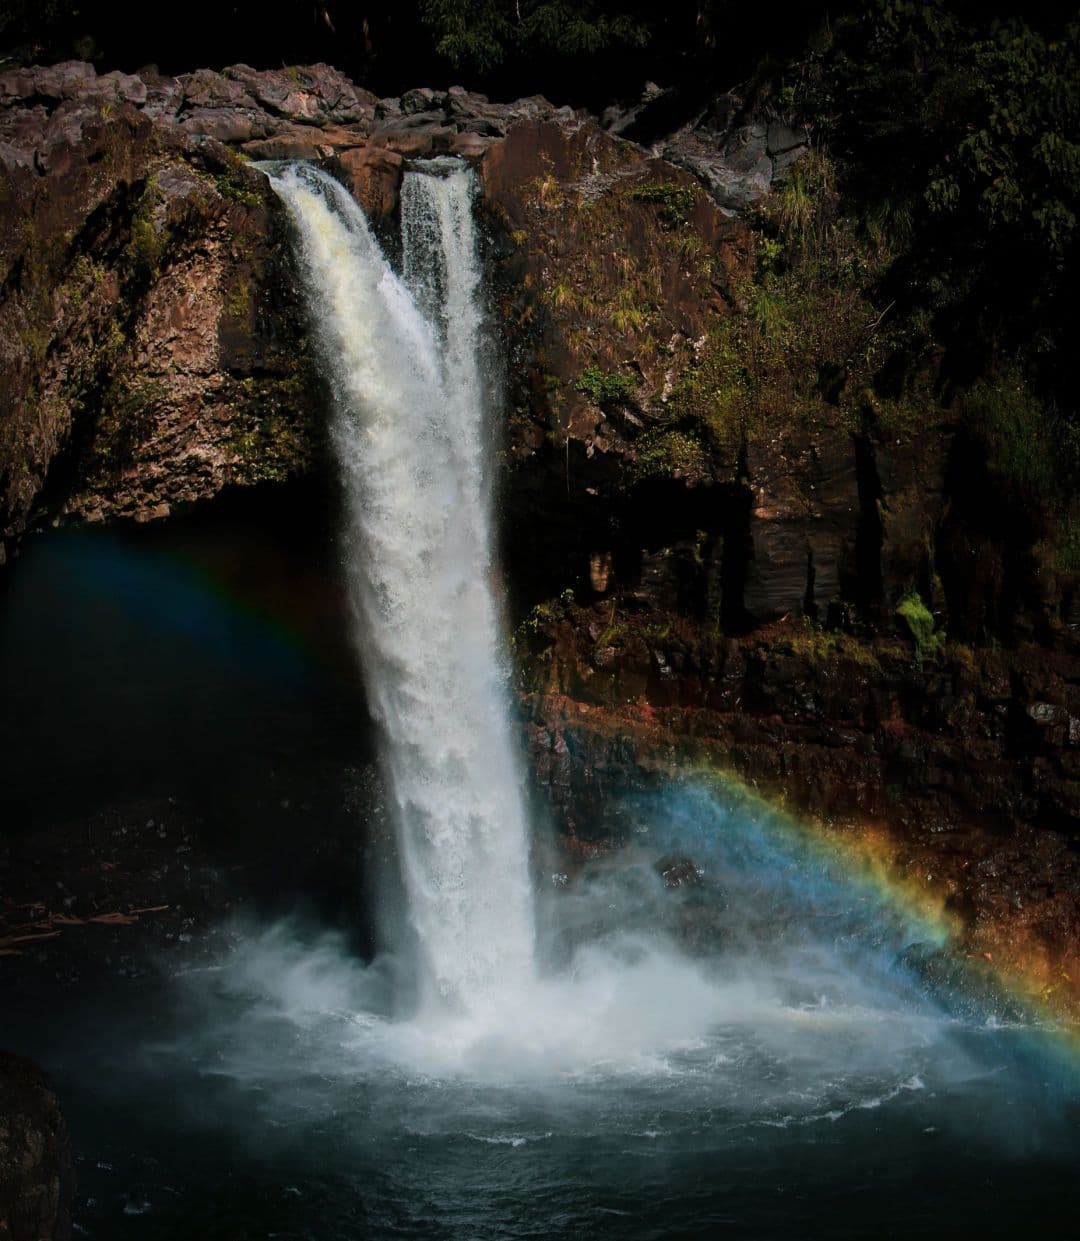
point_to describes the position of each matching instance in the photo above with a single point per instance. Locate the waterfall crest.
(408, 426)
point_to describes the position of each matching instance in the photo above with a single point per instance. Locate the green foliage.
(920, 623)
(669, 454)
(604, 387)
(806, 338)
(822, 646)
(676, 201)
(959, 135)
(805, 201)
(141, 398)
(1018, 169)
(1021, 441)
(479, 34)
(1068, 548)
(547, 613)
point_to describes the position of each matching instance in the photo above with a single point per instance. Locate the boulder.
(373, 175)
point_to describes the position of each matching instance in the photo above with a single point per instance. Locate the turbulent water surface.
(798, 1083)
(747, 1048)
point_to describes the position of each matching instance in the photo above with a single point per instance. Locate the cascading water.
(410, 432)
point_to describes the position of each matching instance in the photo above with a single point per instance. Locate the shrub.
(604, 387)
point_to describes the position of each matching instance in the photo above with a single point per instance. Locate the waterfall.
(402, 355)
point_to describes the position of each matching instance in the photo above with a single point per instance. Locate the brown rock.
(469, 145)
(373, 175)
(36, 1175)
(415, 141)
(292, 143)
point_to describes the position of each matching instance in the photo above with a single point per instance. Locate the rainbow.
(860, 864)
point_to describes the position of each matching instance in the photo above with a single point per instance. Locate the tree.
(479, 34)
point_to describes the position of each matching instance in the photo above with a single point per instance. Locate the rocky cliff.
(744, 523)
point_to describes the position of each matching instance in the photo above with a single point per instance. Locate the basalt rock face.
(150, 349)
(36, 1175)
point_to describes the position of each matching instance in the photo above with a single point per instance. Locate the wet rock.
(311, 94)
(736, 175)
(783, 138)
(678, 872)
(414, 137)
(48, 82)
(230, 125)
(469, 144)
(36, 1175)
(145, 348)
(1044, 714)
(293, 143)
(964, 987)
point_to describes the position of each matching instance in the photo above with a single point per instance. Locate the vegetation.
(676, 201)
(920, 624)
(956, 128)
(604, 387)
(482, 33)
(230, 187)
(807, 338)
(669, 454)
(146, 246)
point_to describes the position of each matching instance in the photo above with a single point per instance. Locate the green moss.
(146, 246)
(805, 340)
(547, 613)
(273, 442)
(83, 276)
(141, 398)
(238, 298)
(125, 410)
(820, 646)
(920, 623)
(231, 187)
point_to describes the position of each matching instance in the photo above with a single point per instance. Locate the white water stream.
(411, 435)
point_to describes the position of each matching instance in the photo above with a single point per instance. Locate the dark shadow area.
(191, 688)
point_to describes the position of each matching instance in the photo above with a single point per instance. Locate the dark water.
(294, 1127)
